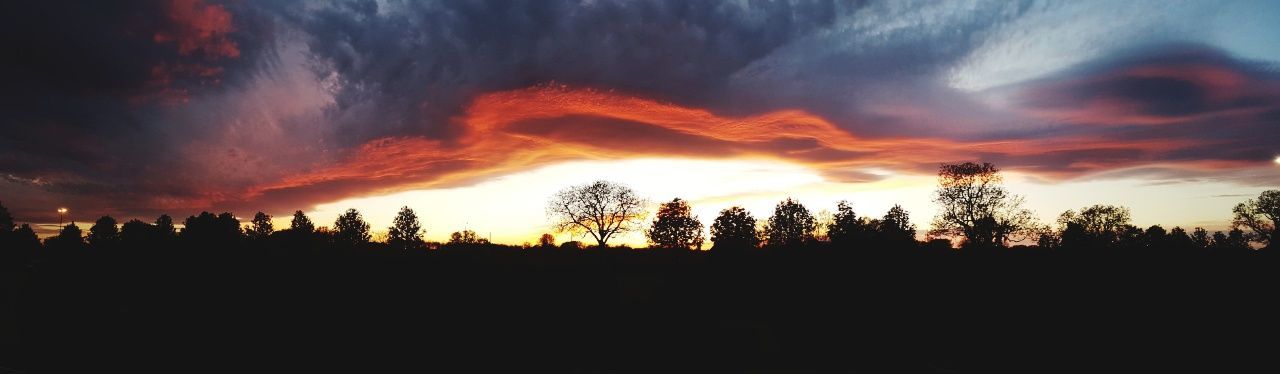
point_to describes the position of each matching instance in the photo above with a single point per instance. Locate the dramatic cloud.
(172, 106)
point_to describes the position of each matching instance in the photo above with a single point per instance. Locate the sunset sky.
(474, 113)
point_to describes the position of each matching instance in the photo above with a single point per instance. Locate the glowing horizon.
(206, 105)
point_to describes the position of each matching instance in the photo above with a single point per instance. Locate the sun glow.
(510, 209)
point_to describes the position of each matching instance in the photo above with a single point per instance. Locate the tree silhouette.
(1201, 238)
(69, 238)
(601, 209)
(350, 229)
(405, 232)
(23, 245)
(1095, 226)
(6, 221)
(790, 225)
(209, 230)
(466, 237)
(1261, 216)
(1156, 237)
(846, 227)
(975, 206)
(1179, 239)
(164, 226)
(675, 227)
(547, 241)
(1233, 240)
(104, 233)
(136, 233)
(301, 224)
(260, 227)
(734, 228)
(895, 227)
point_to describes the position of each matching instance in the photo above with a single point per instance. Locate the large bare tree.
(601, 209)
(973, 204)
(1262, 216)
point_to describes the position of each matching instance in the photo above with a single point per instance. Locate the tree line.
(975, 210)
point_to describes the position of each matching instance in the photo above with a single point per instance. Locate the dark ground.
(624, 311)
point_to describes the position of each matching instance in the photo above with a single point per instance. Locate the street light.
(61, 212)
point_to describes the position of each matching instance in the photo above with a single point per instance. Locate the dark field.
(489, 309)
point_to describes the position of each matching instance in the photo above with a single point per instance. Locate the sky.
(474, 113)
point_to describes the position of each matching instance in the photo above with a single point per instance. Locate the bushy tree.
(790, 225)
(1179, 239)
(466, 237)
(674, 226)
(350, 229)
(974, 205)
(1261, 217)
(895, 228)
(301, 224)
(1201, 238)
(601, 209)
(23, 244)
(734, 228)
(405, 232)
(6, 221)
(164, 226)
(207, 229)
(260, 227)
(1094, 227)
(546, 241)
(69, 238)
(136, 233)
(846, 227)
(104, 233)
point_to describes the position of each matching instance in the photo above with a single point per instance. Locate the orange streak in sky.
(493, 142)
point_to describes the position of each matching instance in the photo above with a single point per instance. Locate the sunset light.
(611, 185)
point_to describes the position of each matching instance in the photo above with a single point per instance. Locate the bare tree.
(1262, 216)
(601, 209)
(974, 204)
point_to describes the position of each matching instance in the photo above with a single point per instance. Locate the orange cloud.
(509, 131)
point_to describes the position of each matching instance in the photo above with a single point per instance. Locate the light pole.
(61, 212)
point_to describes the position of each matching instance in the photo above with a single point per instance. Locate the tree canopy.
(974, 205)
(1261, 217)
(734, 228)
(790, 225)
(260, 227)
(675, 227)
(350, 229)
(405, 232)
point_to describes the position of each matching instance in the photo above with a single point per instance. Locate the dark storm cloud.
(84, 81)
(139, 108)
(1158, 84)
(405, 67)
(1192, 103)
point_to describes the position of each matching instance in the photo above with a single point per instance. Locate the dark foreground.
(624, 311)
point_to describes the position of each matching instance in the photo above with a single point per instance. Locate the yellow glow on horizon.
(509, 209)
(1277, 160)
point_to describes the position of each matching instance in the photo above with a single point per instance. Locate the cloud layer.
(171, 106)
